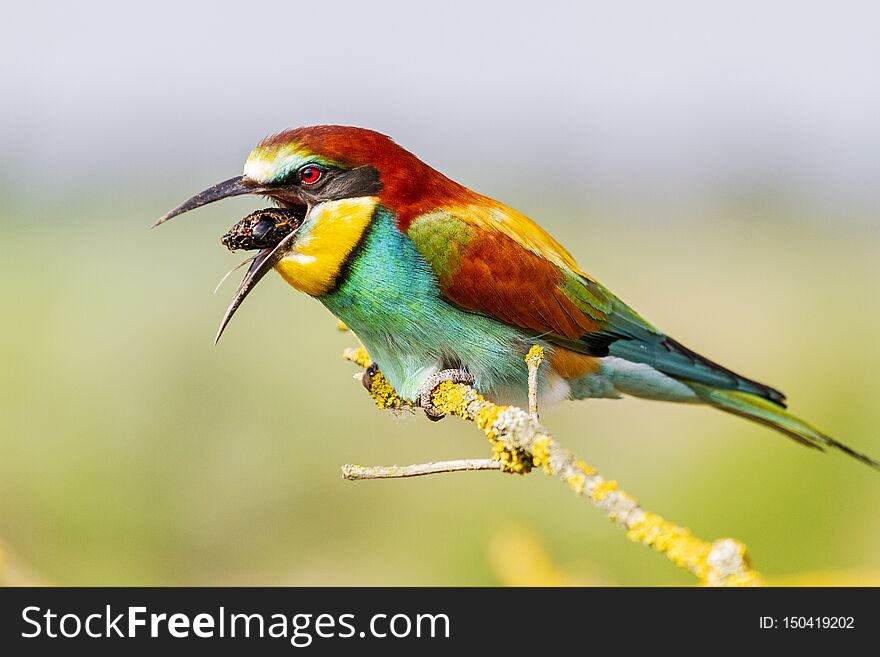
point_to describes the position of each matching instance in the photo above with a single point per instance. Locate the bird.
(442, 283)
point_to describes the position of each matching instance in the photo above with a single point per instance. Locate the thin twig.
(359, 472)
(534, 359)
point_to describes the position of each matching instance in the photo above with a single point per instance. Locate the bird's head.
(307, 166)
(305, 169)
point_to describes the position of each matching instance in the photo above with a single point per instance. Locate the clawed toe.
(369, 373)
(425, 390)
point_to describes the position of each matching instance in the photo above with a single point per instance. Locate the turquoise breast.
(388, 295)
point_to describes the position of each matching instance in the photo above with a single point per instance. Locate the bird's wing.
(493, 260)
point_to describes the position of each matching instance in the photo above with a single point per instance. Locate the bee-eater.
(438, 281)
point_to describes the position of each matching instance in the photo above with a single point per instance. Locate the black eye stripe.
(360, 181)
(334, 183)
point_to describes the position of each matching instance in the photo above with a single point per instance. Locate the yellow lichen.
(358, 356)
(383, 393)
(541, 454)
(577, 482)
(602, 489)
(689, 552)
(513, 461)
(535, 356)
(452, 399)
(487, 417)
(586, 469)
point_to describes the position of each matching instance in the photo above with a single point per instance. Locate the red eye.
(310, 175)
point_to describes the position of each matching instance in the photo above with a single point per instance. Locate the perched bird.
(440, 282)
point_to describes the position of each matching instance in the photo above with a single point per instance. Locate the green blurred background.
(730, 196)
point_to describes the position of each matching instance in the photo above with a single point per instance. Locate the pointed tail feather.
(772, 415)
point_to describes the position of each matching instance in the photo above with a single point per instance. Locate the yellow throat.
(333, 228)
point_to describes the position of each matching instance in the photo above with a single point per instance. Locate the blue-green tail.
(766, 412)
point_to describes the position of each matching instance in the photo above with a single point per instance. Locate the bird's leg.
(425, 390)
(369, 373)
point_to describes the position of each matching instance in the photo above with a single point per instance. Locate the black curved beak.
(263, 262)
(228, 188)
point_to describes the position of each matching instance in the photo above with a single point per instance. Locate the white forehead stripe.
(259, 169)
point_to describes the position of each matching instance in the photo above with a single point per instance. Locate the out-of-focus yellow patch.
(517, 557)
(831, 578)
(13, 572)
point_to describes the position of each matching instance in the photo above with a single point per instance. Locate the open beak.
(263, 262)
(227, 189)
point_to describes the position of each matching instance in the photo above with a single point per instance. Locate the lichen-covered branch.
(519, 443)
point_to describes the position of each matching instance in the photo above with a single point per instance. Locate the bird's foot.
(425, 390)
(369, 373)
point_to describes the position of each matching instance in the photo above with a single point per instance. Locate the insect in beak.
(272, 231)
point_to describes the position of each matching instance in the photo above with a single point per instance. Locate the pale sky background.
(658, 102)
